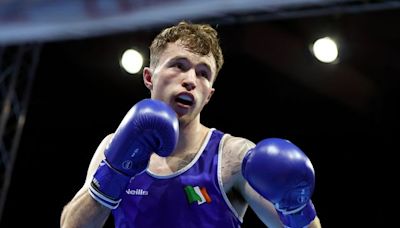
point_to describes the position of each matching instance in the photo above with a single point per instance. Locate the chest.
(167, 166)
(228, 171)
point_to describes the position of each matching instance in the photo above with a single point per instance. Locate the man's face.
(183, 80)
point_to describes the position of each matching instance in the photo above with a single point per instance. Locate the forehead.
(177, 49)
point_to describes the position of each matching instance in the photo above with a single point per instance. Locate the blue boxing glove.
(280, 172)
(149, 126)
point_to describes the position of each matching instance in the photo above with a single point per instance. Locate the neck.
(191, 135)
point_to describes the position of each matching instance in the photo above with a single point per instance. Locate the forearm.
(84, 211)
(315, 223)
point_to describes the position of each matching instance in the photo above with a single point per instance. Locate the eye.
(181, 65)
(178, 65)
(202, 70)
(204, 74)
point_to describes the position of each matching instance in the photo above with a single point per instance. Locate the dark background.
(344, 116)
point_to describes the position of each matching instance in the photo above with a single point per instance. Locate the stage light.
(325, 50)
(131, 61)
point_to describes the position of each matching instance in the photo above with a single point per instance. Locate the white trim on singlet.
(220, 183)
(188, 166)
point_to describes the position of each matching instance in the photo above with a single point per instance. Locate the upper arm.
(238, 147)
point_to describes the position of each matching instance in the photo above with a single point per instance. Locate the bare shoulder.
(233, 151)
(237, 145)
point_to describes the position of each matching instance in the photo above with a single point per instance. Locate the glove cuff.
(299, 218)
(108, 185)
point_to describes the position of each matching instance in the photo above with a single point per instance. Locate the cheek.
(166, 77)
(207, 94)
(166, 83)
(162, 86)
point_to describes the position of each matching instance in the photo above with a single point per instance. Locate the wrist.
(108, 185)
(298, 218)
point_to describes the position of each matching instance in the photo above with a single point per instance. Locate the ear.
(148, 77)
(212, 90)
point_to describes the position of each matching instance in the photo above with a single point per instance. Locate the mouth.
(185, 99)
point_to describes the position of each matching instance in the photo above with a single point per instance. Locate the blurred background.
(63, 89)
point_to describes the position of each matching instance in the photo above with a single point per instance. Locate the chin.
(184, 118)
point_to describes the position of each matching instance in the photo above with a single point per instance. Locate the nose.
(189, 81)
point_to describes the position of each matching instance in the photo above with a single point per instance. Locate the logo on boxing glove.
(127, 164)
